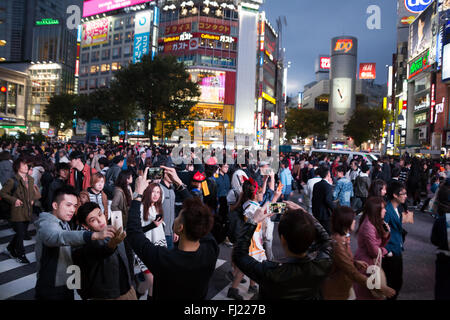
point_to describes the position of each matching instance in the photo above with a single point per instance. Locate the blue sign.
(417, 6)
(141, 46)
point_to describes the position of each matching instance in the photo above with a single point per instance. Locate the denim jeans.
(169, 240)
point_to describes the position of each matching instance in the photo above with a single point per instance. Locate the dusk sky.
(312, 24)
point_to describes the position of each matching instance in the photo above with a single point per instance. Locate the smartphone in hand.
(116, 219)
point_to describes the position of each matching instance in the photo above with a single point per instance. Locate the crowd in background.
(172, 224)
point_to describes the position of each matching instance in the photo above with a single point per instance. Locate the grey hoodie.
(53, 252)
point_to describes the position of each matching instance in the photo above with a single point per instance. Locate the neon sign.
(420, 64)
(344, 45)
(47, 21)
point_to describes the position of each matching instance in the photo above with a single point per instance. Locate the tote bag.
(377, 277)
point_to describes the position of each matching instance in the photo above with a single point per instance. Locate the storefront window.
(422, 84)
(12, 98)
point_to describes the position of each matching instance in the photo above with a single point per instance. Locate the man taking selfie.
(54, 239)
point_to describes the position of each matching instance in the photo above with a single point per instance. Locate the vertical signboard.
(367, 71)
(446, 53)
(142, 24)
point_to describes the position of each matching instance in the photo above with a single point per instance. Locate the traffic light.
(281, 126)
(3, 89)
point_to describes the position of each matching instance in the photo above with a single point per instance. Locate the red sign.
(178, 28)
(325, 62)
(433, 102)
(213, 27)
(367, 71)
(344, 45)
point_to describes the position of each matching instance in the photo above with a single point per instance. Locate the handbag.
(373, 270)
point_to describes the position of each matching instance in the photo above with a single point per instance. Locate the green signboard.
(419, 65)
(47, 21)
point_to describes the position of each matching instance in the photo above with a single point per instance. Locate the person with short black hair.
(322, 199)
(20, 193)
(343, 191)
(103, 263)
(300, 276)
(393, 262)
(183, 272)
(81, 172)
(362, 185)
(62, 175)
(54, 239)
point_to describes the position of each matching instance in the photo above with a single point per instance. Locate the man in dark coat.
(322, 200)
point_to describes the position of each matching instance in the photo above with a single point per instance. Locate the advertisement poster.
(212, 86)
(93, 7)
(446, 53)
(95, 32)
(422, 33)
(142, 26)
(367, 71)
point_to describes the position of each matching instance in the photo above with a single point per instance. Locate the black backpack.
(5, 206)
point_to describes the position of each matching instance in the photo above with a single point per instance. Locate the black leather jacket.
(294, 279)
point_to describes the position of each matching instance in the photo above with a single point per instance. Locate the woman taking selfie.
(345, 270)
(373, 235)
(153, 227)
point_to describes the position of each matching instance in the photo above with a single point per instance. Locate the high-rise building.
(36, 33)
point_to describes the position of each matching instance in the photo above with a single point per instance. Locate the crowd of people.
(116, 208)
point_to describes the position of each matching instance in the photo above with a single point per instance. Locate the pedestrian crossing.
(17, 280)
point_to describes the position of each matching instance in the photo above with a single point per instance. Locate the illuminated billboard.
(422, 34)
(446, 54)
(95, 32)
(367, 71)
(93, 7)
(212, 85)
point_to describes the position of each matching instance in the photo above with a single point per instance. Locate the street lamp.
(225, 125)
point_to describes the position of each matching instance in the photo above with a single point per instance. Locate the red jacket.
(87, 172)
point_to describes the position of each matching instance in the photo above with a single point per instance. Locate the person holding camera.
(300, 276)
(185, 271)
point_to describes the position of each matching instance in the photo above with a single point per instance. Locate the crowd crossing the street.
(137, 224)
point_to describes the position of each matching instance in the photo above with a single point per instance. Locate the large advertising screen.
(93, 7)
(212, 85)
(95, 32)
(422, 33)
(446, 54)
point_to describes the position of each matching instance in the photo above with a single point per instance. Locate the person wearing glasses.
(20, 193)
(393, 261)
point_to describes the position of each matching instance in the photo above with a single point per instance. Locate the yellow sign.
(269, 98)
(210, 36)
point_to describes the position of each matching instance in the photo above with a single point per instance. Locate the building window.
(84, 71)
(85, 57)
(83, 84)
(118, 38)
(117, 52)
(118, 24)
(12, 98)
(128, 36)
(115, 66)
(92, 83)
(127, 51)
(95, 56)
(94, 69)
(102, 82)
(105, 68)
(106, 54)
(129, 21)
